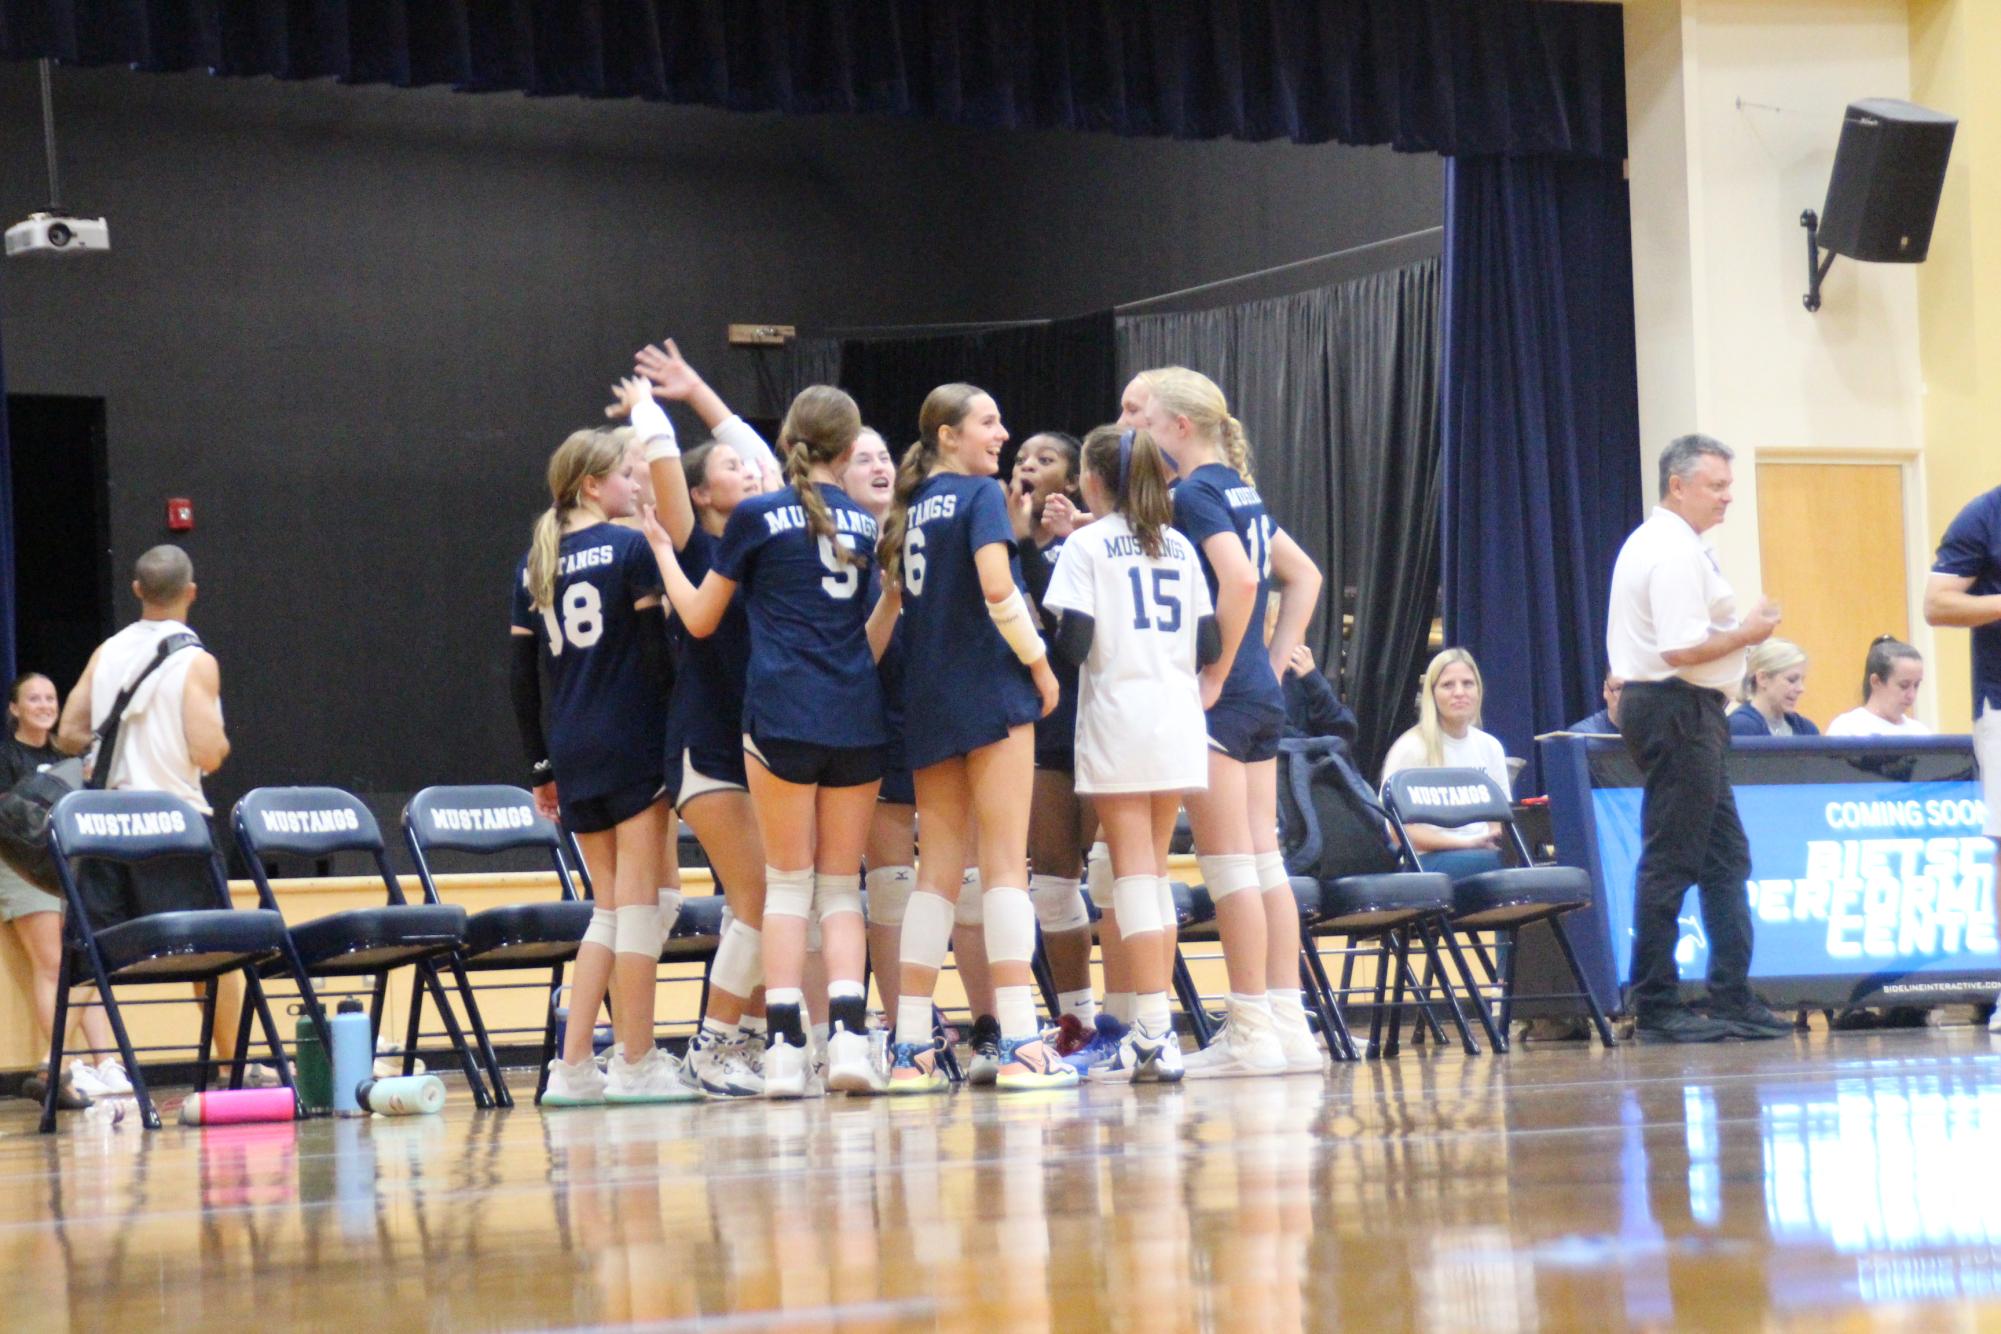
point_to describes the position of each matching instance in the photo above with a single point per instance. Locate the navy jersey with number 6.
(963, 688)
(1215, 499)
(811, 675)
(606, 716)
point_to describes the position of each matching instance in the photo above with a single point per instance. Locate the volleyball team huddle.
(814, 653)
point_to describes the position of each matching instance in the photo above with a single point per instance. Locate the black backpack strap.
(107, 735)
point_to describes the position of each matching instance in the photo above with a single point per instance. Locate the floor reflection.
(1559, 1187)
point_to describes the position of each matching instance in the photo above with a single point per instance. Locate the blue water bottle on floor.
(353, 1056)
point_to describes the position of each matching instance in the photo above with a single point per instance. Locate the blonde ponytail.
(1236, 450)
(944, 406)
(586, 454)
(1191, 394)
(820, 426)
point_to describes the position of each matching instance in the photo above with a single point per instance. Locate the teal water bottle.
(315, 1072)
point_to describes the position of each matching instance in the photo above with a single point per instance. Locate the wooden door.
(1831, 548)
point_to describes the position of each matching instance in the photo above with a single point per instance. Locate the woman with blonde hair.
(1243, 554)
(1774, 680)
(1448, 736)
(587, 604)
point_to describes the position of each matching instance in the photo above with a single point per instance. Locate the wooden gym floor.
(1821, 1184)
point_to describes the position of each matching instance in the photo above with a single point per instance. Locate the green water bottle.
(314, 1070)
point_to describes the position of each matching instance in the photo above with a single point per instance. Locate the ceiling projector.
(57, 234)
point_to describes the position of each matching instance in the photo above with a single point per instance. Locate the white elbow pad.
(1011, 618)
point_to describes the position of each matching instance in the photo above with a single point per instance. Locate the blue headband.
(1125, 458)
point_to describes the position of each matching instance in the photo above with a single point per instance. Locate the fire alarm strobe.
(180, 515)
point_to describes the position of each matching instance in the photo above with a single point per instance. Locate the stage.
(1818, 1182)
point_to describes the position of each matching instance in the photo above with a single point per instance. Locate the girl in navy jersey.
(1217, 506)
(1059, 824)
(812, 720)
(1135, 612)
(588, 593)
(697, 491)
(976, 677)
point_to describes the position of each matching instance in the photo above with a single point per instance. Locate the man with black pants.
(1675, 639)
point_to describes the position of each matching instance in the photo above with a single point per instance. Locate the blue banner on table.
(1886, 878)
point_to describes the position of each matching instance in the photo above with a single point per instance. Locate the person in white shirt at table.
(1448, 736)
(1890, 680)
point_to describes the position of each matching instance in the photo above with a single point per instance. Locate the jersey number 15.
(1166, 601)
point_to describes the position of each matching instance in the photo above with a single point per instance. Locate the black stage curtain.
(1542, 432)
(6, 539)
(1337, 389)
(1443, 76)
(1060, 375)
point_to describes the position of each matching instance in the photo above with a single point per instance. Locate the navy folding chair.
(1385, 910)
(484, 821)
(363, 942)
(1502, 900)
(137, 829)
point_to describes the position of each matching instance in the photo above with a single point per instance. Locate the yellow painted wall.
(1734, 109)
(1955, 57)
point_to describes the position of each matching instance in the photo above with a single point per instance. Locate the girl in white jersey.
(1134, 608)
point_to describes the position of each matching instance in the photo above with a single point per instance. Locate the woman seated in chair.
(1774, 680)
(1891, 676)
(1448, 736)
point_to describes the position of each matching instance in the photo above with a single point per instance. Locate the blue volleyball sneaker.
(1104, 1044)
(913, 1069)
(1030, 1063)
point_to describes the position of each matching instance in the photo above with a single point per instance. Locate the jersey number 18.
(583, 619)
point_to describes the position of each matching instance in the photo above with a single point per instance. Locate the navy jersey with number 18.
(963, 688)
(606, 715)
(1215, 499)
(811, 675)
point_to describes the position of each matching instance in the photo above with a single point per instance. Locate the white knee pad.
(1010, 925)
(603, 929)
(639, 929)
(1136, 899)
(1226, 874)
(927, 930)
(788, 893)
(835, 894)
(1271, 871)
(1098, 874)
(889, 889)
(739, 965)
(1059, 903)
(972, 906)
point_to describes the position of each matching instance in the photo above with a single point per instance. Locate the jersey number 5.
(583, 619)
(845, 579)
(1166, 601)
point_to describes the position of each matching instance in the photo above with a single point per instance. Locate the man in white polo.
(1675, 638)
(1965, 590)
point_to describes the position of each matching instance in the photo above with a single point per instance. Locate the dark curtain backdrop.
(6, 537)
(1059, 375)
(1337, 389)
(1444, 76)
(1542, 435)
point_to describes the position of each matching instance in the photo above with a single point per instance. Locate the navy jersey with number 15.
(1215, 499)
(963, 688)
(606, 715)
(811, 675)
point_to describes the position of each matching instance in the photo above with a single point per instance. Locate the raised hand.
(627, 395)
(670, 373)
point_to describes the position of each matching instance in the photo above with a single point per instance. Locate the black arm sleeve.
(1035, 568)
(524, 680)
(655, 651)
(1208, 641)
(1073, 636)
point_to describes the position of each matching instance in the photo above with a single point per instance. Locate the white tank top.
(152, 740)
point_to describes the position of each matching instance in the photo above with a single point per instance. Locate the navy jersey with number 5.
(1215, 499)
(811, 675)
(963, 688)
(606, 716)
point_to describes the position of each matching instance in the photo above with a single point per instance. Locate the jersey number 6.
(913, 561)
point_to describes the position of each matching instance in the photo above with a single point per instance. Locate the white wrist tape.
(1011, 618)
(650, 425)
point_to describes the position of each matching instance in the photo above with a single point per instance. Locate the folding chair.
(1503, 900)
(186, 945)
(1384, 910)
(365, 942)
(484, 821)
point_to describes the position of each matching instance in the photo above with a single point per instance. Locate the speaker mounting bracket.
(1817, 264)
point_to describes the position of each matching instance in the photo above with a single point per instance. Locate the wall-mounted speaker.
(1882, 199)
